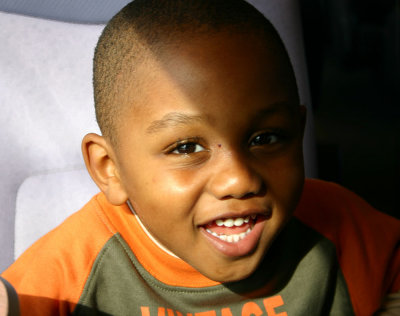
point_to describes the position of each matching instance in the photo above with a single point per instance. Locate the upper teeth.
(230, 222)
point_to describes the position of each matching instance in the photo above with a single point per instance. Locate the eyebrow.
(278, 108)
(172, 119)
(175, 118)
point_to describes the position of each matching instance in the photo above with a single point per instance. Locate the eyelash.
(277, 136)
(195, 142)
(181, 143)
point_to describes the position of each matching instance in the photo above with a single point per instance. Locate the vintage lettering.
(271, 303)
(251, 309)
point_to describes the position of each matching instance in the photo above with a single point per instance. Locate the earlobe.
(101, 165)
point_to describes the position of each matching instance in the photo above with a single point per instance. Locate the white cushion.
(46, 104)
(45, 200)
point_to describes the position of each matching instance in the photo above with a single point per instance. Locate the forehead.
(217, 71)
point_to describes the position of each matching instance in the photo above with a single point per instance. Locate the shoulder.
(367, 241)
(327, 206)
(55, 268)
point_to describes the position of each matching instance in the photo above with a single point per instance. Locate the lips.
(235, 236)
(231, 229)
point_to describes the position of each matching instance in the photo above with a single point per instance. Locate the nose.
(235, 178)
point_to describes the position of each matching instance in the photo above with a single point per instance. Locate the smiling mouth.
(236, 236)
(232, 230)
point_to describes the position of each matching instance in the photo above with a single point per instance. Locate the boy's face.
(215, 140)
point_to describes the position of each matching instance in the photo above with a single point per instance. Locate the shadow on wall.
(353, 57)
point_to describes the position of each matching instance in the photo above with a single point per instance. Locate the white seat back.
(46, 107)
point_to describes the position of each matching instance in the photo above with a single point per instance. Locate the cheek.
(285, 180)
(177, 182)
(171, 193)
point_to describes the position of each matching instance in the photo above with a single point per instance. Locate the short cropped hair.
(145, 26)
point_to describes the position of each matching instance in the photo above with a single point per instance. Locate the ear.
(100, 162)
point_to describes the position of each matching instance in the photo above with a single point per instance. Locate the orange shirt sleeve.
(49, 277)
(366, 240)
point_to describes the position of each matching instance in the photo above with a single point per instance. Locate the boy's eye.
(187, 148)
(264, 139)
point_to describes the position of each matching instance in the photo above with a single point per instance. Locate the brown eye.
(264, 139)
(187, 148)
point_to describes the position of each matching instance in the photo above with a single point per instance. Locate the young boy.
(204, 209)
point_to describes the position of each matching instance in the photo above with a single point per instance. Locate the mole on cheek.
(219, 145)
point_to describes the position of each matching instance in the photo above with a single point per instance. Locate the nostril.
(248, 195)
(258, 192)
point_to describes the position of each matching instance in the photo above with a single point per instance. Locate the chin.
(232, 272)
(232, 277)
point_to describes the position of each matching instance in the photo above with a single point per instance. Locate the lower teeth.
(230, 238)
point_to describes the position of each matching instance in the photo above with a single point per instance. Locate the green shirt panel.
(298, 276)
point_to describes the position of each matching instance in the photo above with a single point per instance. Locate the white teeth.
(239, 221)
(212, 233)
(230, 222)
(230, 238)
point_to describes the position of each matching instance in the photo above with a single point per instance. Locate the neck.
(148, 233)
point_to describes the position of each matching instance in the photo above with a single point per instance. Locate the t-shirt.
(336, 256)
